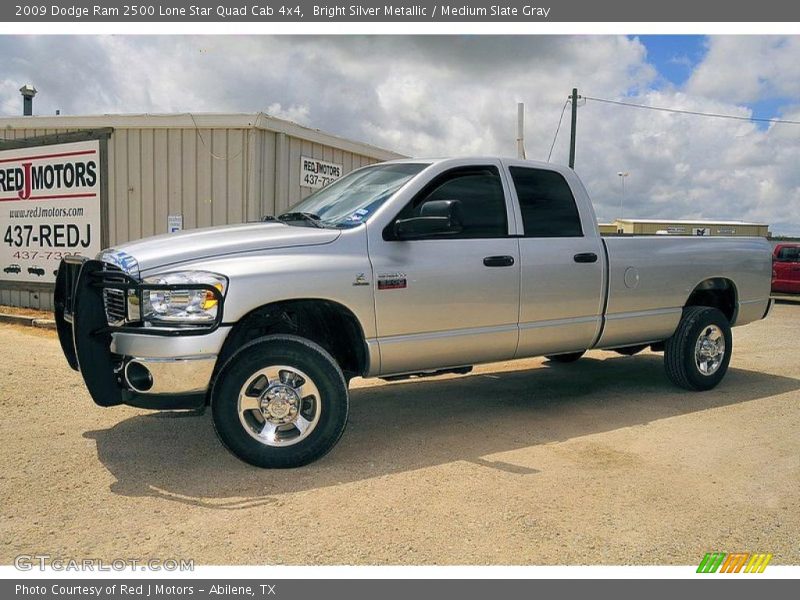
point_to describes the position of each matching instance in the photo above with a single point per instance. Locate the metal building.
(159, 173)
(684, 227)
(607, 228)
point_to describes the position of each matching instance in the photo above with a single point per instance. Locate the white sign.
(676, 230)
(316, 174)
(174, 223)
(701, 231)
(49, 208)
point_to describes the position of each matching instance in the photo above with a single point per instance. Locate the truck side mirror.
(436, 217)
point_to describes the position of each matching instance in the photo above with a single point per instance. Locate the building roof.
(198, 121)
(691, 222)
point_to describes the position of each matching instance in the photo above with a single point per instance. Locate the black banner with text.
(398, 11)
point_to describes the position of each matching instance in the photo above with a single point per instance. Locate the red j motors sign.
(49, 208)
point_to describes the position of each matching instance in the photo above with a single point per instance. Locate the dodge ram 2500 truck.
(400, 268)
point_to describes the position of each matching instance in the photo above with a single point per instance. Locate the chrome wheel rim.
(709, 351)
(279, 405)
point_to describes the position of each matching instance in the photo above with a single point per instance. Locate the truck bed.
(659, 273)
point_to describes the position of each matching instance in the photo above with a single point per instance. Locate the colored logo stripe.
(733, 563)
(711, 562)
(758, 563)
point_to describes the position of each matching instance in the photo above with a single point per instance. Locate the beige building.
(684, 227)
(196, 170)
(607, 228)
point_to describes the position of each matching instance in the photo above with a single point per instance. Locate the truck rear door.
(562, 262)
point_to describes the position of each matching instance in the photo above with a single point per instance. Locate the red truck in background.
(786, 269)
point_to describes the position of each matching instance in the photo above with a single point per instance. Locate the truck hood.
(212, 242)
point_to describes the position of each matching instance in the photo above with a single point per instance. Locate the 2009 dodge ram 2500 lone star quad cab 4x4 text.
(411, 266)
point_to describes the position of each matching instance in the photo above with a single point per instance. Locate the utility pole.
(572, 132)
(520, 130)
(622, 175)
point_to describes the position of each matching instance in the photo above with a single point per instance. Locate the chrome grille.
(114, 300)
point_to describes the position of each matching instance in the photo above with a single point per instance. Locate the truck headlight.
(177, 305)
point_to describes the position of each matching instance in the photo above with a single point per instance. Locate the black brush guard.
(83, 329)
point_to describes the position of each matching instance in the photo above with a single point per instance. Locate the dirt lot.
(598, 462)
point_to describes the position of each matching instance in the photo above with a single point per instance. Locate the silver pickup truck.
(398, 269)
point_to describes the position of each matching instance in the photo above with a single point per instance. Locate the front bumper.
(177, 365)
(161, 368)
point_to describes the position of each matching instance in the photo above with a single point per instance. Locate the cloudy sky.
(442, 95)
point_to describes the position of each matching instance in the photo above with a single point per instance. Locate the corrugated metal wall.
(210, 176)
(201, 174)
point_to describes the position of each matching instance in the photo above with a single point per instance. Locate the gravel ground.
(597, 462)
(25, 312)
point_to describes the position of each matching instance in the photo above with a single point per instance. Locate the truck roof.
(480, 158)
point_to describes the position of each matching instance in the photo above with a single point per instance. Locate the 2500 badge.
(61, 235)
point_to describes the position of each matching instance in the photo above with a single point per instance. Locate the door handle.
(585, 257)
(498, 261)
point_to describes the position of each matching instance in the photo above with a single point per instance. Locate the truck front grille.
(115, 301)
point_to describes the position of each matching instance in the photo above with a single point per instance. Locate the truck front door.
(450, 300)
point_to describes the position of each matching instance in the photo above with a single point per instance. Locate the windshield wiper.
(307, 217)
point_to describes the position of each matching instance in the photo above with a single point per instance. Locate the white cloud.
(297, 113)
(455, 95)
(748, 68)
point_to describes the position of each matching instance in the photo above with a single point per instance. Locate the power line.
(555, 137)
(693, 112)
(208, 148)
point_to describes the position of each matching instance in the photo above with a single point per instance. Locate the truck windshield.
(352, 199)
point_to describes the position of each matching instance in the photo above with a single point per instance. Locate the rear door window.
(546, 202)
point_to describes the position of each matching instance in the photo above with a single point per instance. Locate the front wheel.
(280, 401)
(697, 355)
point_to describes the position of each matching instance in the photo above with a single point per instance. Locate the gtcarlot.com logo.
(737, 562)
(43, 562)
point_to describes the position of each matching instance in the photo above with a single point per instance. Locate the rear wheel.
(565, 358)
(696, 357)
(280, 401)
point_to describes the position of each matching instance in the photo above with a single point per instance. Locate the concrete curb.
(28, 321)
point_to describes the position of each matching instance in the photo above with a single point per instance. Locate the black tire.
(679, 351)
(284, 350)
(565, 358)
